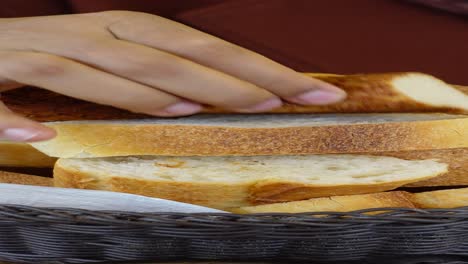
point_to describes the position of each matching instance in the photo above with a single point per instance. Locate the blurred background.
(338, 36)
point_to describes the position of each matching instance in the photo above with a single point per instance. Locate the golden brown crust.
(98, 140)
(216, 195)
(334, 203)
(211, 195)
(462, 88)
(23, 155)
(366, 93)
(276, 192)
(441, 199)
(73, 179)
(17, 178)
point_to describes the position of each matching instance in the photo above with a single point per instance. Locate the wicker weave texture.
(41, 235)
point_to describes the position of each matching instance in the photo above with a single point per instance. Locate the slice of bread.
(367, 93)
(282, 134)
(451, 198)
(14, 154)
(344, 203)
(225, 182)
(22, 155)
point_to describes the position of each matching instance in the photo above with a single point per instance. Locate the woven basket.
(40, 235)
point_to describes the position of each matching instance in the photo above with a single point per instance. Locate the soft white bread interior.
(431, 91)
(277, 134)
(451, 198)
(14, 154)
(224, 182)
(457, 159)
(345, 203)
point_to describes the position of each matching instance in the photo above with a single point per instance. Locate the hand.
(142, 63)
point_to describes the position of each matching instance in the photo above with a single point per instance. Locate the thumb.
(16, 128)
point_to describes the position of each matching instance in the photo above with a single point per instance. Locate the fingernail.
(319, 97)
(264, 106)
(181, 108)
(20, 134)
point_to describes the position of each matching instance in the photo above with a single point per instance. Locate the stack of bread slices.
(394, 131)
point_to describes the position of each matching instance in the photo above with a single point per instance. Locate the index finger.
(207, 50)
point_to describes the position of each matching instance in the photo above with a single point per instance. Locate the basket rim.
(68, 233)
(30, 214)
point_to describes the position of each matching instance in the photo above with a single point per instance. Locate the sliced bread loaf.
(23, 155)
(367, 93)
(224, 182)
(282, 134)
(345, 203)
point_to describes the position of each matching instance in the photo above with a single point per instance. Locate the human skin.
(142, 63)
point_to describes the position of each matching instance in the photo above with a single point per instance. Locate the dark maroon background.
(340, 36)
